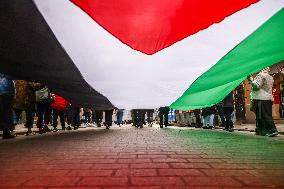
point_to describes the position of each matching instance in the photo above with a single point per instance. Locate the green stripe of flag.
(261, 49)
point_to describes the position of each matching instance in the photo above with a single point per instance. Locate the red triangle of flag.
(150, 26)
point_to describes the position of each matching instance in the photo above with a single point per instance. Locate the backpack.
(42, 94)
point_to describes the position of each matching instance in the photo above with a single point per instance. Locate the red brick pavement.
(127, 157)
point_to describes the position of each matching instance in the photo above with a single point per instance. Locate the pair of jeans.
(69, 116)
(73, 116)
(150, 116)
(29, 117)
(264, 121)
(172, 117)
(197, 117)
(163, 115)
(61, 115)
(6, 113)
(76, 119)
(140, 118)
(88, 116)
(43, 113)
(228, 116)
(108, 117)
(99, 116)
(76, 116)
(221, 110)
(119, 116)
(208, 120)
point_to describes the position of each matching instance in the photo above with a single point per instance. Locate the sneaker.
(46, 129)
(76, 127)
(198, 126)
(272, 134)
(41, 131)
(107, 127)
(55, 130)
(231, 129)
(8, 136)
(30, 133)
(69, 128)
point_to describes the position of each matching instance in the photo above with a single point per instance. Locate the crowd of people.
(221, 114)
(36, 100)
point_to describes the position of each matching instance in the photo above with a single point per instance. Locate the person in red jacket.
(59, 106)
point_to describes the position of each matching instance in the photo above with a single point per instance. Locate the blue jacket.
(7, 85)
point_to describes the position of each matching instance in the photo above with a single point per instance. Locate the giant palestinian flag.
(140, 54)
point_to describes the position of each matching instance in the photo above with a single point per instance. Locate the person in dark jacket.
(108, 118)
(138, 117)
(228, 107)
(150, 116)
(220, 108)
(198, 118)
(99, 115)
(134, 117)
(7, 93)
(163, 115)
(88, 115)
(141, 117)
(119, 116)
(73, 117)
(76, 117)
(69, 117)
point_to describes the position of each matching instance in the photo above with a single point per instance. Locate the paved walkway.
(148, 158)
(21, 130)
